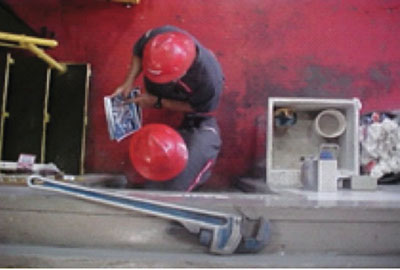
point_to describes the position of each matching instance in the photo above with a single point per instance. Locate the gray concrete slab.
(12, 256)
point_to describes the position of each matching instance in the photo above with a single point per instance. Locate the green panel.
(23, 128)
(65, 133)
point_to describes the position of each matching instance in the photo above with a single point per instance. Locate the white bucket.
(330, 123)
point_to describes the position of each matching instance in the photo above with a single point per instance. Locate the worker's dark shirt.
(202, 84)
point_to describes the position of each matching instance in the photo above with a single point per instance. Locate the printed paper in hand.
(123, 119)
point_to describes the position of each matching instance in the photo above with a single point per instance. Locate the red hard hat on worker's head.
(167, 56)
(158, 152)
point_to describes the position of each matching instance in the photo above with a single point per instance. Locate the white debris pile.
(380, 147)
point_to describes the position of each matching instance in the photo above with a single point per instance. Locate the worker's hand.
(123, 89)
(144, 100)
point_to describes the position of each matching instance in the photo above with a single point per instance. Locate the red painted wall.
(307, 48)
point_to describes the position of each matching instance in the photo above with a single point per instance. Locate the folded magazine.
(123, 119)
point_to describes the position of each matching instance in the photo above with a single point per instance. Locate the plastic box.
(287, 147)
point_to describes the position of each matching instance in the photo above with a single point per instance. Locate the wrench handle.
(160, 209)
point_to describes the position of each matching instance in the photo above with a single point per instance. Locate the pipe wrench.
(223, 233)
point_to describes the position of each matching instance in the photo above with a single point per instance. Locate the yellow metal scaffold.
(31, 44)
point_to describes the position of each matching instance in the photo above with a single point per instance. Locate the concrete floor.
(39, 256)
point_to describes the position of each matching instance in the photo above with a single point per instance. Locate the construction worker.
(180, 74)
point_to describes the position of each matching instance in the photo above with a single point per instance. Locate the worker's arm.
(134, 71)
(146, 100)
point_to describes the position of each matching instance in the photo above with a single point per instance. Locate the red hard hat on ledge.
(158, 152)
(167, 56)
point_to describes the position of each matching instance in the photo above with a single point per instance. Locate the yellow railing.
(31, 44)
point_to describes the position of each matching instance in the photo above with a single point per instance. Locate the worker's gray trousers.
(202, 137)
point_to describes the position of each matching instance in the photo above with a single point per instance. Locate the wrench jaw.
(221, 239)
(227, 238)
(255, 235)
(238, 235)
